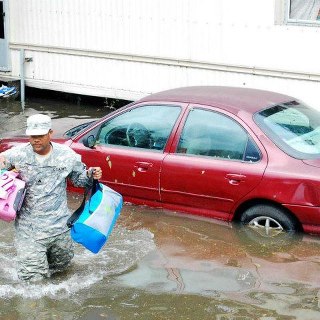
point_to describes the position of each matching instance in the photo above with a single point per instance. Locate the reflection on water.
(220, 262)
(161, 265)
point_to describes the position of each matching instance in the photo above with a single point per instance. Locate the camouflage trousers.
(39, 259)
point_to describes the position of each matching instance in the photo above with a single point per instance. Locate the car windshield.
(294, 127)
(75, 130)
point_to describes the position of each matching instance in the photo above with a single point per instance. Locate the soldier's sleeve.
(7, 159)
(78, 175)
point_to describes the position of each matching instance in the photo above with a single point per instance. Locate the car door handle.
(235, 178)
(143, 166)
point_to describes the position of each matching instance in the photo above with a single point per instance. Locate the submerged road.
(162, 265)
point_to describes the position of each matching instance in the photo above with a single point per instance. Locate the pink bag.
(12, 192)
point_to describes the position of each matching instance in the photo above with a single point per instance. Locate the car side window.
(209, 133)
(146, 127)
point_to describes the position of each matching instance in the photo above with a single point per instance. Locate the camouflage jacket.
(44, 212)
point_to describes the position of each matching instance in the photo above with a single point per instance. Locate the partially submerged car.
(235, 154)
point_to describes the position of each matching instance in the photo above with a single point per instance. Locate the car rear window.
(294, 127)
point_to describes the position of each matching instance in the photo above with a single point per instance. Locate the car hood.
(313, 162)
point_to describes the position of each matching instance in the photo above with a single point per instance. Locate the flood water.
(159, 264)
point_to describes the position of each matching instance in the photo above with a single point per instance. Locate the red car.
(234, 154)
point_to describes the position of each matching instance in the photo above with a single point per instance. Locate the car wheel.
(268, 220)
(261, 244)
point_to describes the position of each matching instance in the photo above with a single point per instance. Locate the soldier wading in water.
(43, 241)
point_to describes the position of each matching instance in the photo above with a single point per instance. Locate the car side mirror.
(89, 141)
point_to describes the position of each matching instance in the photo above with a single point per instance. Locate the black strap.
(89, 190)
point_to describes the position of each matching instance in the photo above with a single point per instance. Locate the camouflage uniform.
(43, 240)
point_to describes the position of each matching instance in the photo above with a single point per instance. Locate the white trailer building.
(128, 48)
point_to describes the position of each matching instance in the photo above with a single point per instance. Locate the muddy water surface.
(159, 264)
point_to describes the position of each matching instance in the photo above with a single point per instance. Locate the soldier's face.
(41, 144)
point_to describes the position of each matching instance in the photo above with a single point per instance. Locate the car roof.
(232, 99)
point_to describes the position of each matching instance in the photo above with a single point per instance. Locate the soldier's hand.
(96, 172)
(2, 162)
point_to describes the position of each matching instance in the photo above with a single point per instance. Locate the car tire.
(262, 245)
(269, 219)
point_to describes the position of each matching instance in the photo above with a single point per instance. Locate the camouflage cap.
(38, 124)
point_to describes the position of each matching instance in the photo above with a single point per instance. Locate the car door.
(214, 163)
(129, 147)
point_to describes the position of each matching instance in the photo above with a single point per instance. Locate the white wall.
(128, 48)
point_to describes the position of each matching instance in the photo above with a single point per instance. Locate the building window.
(303, 12)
